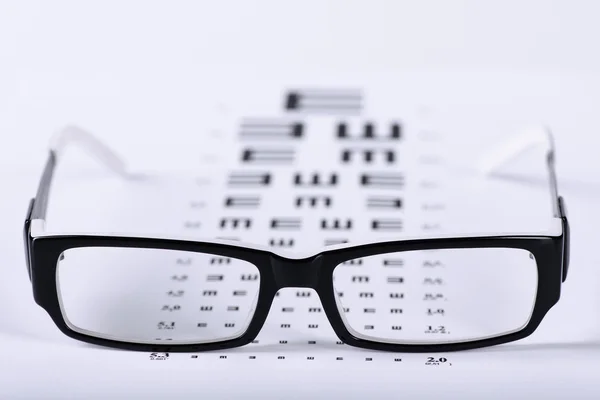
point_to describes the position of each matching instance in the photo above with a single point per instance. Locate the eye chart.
(324, 180)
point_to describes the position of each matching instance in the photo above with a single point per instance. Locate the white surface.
(145, 73)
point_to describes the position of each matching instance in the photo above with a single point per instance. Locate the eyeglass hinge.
(27, 238)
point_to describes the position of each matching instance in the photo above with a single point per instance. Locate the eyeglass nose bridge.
(302, 273)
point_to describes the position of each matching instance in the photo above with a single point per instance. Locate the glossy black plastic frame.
(315, 272)
(277, 272)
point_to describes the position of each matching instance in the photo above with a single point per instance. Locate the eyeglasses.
(105, 289)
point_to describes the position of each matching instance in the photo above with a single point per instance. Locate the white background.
(127, 67)
(141, 74)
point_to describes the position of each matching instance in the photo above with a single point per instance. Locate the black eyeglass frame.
(42, 253)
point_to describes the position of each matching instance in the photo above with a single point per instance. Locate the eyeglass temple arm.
(71, 135)
(513, 148)
(492, 162)
(510, 150)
